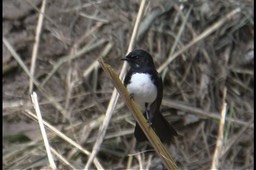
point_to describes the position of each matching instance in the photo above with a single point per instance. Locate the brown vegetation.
(201, 48)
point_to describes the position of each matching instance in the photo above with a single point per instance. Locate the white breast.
(142, 89)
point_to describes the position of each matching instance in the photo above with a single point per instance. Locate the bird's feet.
(148, 118)
(132, 96)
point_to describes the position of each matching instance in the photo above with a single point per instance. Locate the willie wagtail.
(145, 86)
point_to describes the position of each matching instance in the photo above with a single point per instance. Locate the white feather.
(142, 89)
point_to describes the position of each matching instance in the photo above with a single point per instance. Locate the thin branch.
(203, 35)
(43, 132)
(200, 112)
(64, 137)
(24, 67)
(140, 119)
(72, 57)
(217, 152)
(36, 45)
(114, 97)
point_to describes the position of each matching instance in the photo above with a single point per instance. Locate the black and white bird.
(145, 86)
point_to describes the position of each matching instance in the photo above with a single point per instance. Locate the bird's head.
(139, 58)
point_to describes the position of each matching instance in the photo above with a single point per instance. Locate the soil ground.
(74, 92)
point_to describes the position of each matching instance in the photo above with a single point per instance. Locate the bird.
(144, 85)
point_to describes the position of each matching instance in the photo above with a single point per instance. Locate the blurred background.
(74, 92)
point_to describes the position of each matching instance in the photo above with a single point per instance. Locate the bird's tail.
(162, 128)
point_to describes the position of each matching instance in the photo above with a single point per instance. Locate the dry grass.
(200, 48)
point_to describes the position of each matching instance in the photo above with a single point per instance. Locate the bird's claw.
(148, 118)
(132, 96)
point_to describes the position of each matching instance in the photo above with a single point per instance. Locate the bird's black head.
(139, 58)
